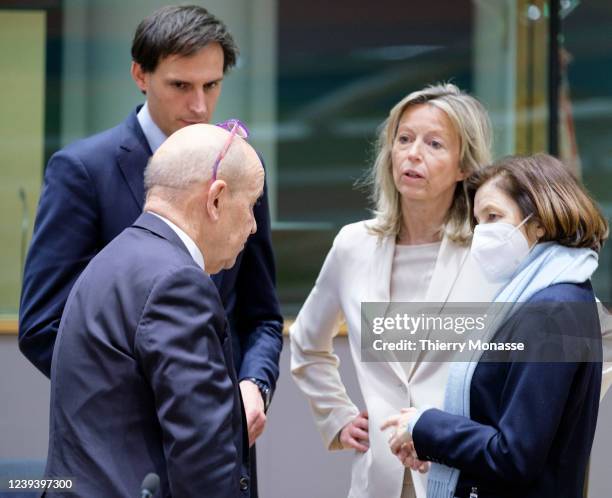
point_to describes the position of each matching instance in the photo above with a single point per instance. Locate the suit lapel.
(157, 226)
(379, 285)
(133, 155)
(449, 263)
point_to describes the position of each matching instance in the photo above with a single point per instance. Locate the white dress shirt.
(191, 246)
(155, 137)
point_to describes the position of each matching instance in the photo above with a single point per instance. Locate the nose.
(197, 103)
(254, 226)
(414, 150)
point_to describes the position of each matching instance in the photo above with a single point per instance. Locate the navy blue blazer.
(532, 424)
(93, 189)
(142, 377)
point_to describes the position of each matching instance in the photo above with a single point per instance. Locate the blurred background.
(314, 81)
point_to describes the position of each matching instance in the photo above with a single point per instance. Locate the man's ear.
(139, 76)
(216, 194)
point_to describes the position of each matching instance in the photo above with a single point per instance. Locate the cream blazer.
(358, 268)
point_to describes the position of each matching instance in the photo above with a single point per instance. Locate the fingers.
(413, 463)
(390, 422)
(396, 443)
(356, 444)
(409, 458)
(355, 434)
(358, 431)
(361, 422)
(349, 441)
(256, 423)
(404, 452)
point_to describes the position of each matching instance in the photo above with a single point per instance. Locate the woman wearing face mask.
(521, 428)
(411, 251)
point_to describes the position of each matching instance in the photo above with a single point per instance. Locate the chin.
(413, 195)
(230, 263)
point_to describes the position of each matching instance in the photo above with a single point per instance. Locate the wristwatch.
(264, 389)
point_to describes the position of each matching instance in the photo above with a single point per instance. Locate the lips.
(191, 122)
(413, 174)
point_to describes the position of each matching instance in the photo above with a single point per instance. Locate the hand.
(399, 424)
(254, 410)
(355, 433)
(408, 456)
(401, 443)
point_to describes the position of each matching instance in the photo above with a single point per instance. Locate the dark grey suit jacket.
(142, 377)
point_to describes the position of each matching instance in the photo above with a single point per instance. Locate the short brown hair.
(180, 30)
(543, 186)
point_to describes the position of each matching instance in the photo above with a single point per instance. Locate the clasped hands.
(401, 443)
(355, 435)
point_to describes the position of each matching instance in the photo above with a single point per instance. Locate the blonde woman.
(412, 251)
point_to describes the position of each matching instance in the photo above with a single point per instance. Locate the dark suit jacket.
(531, 425)
(142, 378)
(92, 190)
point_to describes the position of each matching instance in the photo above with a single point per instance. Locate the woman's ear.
(538, 230)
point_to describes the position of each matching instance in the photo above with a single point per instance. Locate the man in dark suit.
(142, 376)
(93, 189)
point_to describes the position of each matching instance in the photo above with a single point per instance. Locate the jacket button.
(244, 483)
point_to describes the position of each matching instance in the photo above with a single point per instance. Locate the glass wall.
(585, 108)
(314, 81)
(22, 120)
(341, 69)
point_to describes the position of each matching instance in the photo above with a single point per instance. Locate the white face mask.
(499, 248)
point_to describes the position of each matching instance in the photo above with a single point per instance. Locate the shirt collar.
(191, 246)
(155, 137)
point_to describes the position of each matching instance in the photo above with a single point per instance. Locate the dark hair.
(180, 30)
(543, 186)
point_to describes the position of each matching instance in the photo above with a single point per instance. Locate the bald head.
(217, 215)
(188, 155)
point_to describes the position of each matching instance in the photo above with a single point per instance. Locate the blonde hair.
(472, 124)
(543, 187)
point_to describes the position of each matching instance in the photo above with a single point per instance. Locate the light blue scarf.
(546, 265)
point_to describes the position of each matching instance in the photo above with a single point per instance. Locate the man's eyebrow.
(176, 80)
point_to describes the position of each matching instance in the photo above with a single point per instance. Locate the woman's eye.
(435, 144)
(405, 139)
(492, 217)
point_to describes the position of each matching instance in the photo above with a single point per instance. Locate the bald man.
(145, 380)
